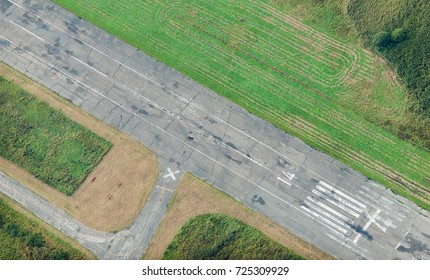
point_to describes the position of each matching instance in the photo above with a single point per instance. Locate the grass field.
(43, 141)
(24, 237)
(311, 83)
(124, 177)
(207, 200)
(411, 55)
(220, 237)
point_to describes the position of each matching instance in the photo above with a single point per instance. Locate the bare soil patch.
(118, 187)
(194, 197)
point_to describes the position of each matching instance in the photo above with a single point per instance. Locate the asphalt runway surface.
(192, 129)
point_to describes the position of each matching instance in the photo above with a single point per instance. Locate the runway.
(192, 129)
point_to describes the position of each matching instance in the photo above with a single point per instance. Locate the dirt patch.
(118, 187)
(194, 197)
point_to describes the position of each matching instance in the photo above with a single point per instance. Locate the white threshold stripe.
(328, 215)
(86, 64)
(330, 210)
(342, 194)
(28, 31)
(335, 203)
(341, 200)
(282, 180)
(324, 219)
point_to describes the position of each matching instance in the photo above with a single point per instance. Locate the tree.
(381, 40)
(398, 35)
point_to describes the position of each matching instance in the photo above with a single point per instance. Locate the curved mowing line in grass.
(275, 67)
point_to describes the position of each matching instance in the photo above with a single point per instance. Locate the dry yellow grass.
(194, 197)
(124, 177)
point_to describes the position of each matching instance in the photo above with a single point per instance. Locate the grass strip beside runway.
(23, 237)
(43, 141)
(221, 237)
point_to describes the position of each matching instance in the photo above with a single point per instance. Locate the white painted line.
(282, 180)
(336, 204)
(344, 242)
(16, 4)
(43, 40)
(341, 200)
(86, 64)
(289, 175)
(342, 194)
(367, 225)
(333, 218)
(163, 188)
(171, 174)
(346, 219)
(324, 219)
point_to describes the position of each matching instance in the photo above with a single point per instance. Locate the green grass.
(23, 238)
(411, 57)
(305, 79)
(43, 141)
(221, 237)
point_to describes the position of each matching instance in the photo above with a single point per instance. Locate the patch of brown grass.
(194, 197)
(123, 178)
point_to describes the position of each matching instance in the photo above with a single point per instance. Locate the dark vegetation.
(43, 141)
(220, 237)
(398, 30)
(22, 238)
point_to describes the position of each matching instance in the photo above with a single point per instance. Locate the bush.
(59, 254)
(381, 40)
(35, 240)
(13, 230)
(398, 35)
(1, 221)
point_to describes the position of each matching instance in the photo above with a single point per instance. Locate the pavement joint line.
(193, 148)
(181, 97)
(28, 31)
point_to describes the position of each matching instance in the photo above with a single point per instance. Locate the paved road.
(193, 129)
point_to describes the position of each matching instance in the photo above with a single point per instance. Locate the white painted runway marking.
(309, 198)
(289, 175)
(282, 180)
(336, 203)
(343, 201)
(367, 225)
(342, 194)
(328, 222)
(28, 31)
(86, 64)
(171, 174)
(163, 188)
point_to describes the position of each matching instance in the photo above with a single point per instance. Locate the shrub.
(13, 230)
(381, 40)
(59, 254)
(35, 240)
(398, 35)
(1, 221)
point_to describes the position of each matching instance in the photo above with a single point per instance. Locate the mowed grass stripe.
(252, 73)
(40, 139)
